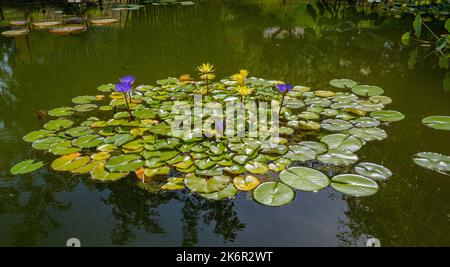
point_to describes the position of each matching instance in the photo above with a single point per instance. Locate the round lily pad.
(334, 125)
(433, 161)
(26, 166)
(338, 157)
(124, 163)
(305, 179)
(70, 162)
(228, 192)
(15, 33)
(365, 122)
(367, 90)
(62, 111)
(58, 124)
(100, 174)
(380, 99)
(273, 194)
(387, 115)
(373, 171)
(207, 185)
(342, 141)
(246, 183)
(88, 141)
(355, 185)
(256, 167)
(343, 83)
(368, 134)
(437, 122)
(36, 135)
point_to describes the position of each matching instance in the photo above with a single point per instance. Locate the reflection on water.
(306, 44)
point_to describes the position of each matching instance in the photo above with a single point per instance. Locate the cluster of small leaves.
(323, 127)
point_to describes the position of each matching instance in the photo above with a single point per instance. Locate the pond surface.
(43, 71)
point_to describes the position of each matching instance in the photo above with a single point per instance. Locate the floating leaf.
(207, 185)
(338, 157)
(36, 135)
(380, 99)
(45, 143)
(63, 148)
(342, 141)
(305, 179)
(355, 185)
(367, 90)
(100, 174)
(58, 124)
(246, 184)
(70, 162)
(26, 166)
(300, 153)
(334, 125)
(88, 141)
(173, 183)
(437, 122)
(85, 99)
(62, 111)
(256, 167)
(124, 163)
(79, 131)
(373, 171)
(387, 115)
(365, 122)
(343, 83)
(273, 194)
(368, 134)
(433, 161)
(228, 192)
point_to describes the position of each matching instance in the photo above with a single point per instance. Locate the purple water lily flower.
(284, 88)
(127, 79)
(123, 87)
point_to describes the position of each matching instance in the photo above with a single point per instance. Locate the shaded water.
(43, 71)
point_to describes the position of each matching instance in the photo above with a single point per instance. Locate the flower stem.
(128, 107)
(281, 104)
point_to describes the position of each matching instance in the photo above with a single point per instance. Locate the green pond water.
(43, 71)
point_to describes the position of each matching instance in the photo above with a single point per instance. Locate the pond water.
(43, 71)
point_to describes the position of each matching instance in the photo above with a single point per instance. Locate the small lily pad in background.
(387, 115)
(367, 90)
(26, 166)
(373, 171)
(437, 122)
(355, 185)
(305, 179)
(273, 194)
(343, 83)
(433, 161)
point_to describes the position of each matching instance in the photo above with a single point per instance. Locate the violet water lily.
(284, 89)
(125, 86)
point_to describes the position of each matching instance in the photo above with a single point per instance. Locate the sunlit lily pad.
(58, 124)
(387, 115)
(300, 153)
(124, 163)
(367, 90)
(70, 162)
(85, 99)
(433, 161)
(343, 83)
(26, 166)
(173, 183)
(88, 141)
(247, 183)
(207, 185)
(365, 122)
(99, 173)
(338, 157)
(228, 192)
(373, 171)
(381, 99)
(273, 194)
(36, 135)
(63, 148)
(437, 122)
(342, 141)
(355, 185)
(305, 179)
(45, 143)
(62, 111)
(368, 134)
(333, 125)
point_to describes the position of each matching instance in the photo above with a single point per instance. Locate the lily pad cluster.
(320, 133)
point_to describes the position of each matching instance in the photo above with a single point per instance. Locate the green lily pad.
(119, 139)
(69, 162)
(300, 153)
(373, 171)
(367, 90)
(338, 157)
(365, 122)
(305, 179)
(58, 124)
(228, 192)
(343, 83)
(207, 185)
(387, 115)
(62, 111)
(106, 87)
(63, 148)
(437, 122)
(246, 183)
(380, 99)
(79, 131)
(320, 148)
(354, 185)
(368, 134)
(85, 99)
(273, 194)
(334, 125)
(88, 141)
(85, 107)
(26, 166)
(45, 143)
(256, 167)
(124, 163)
(342, 141)
(100, 174)
(433, 161)
(36, 135)
(173, 183)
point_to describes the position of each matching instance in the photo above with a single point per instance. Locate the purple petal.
(127, 79)
(123, 87)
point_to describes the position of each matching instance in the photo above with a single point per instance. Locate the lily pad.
(305, 179)
(367, 90)
(256, 167)
(334, 125)
(246, 183)
(63, 148)
(228, 192)
(36, 135)
(373, 171)
(368, 134)
(45, 143)
(62, 111)
(437, 122)
(26, 166)
(365, 122)
(338, 157)
(58, 124)
(99, 173)
(355, 185)
(273, 194)
(124, 163)
(433, 161)
(173, 183)
(70, 162)
(207, 185)
(387, 115)
(343, 83)
(84, 99)
(342, 141)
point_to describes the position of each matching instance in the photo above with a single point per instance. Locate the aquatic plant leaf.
(119, 139)
(100, 156)
(365, 122)
(85, 99)
(58, 124)
(62, 111)
(173, 183)
(387, 115)
(88, 141)
(88, 167)
(320, 148)
(342, 141)
(433, 161)
(79, 131)
(343, 83)
(355, 185)
(99, 173)
(367, 90)
(305, 179)
(228, 192)
(106, 88)
(63, 148)
(69, 162)
(45, 143)
(124, 163)
(437, 122)
(335, 125)
(256, 167)
(36, 135)
(273, 194)
(338, 157)
(145, 113)
(207, 185)
(373, 171)
(163, 170)
(247, 183)
(26, 166)
(380, 99)
(368, 134)
(300, 153)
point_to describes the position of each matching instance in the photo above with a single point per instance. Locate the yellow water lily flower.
(240, 77)
(244, 73)
(206, 68)
(243, 90)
